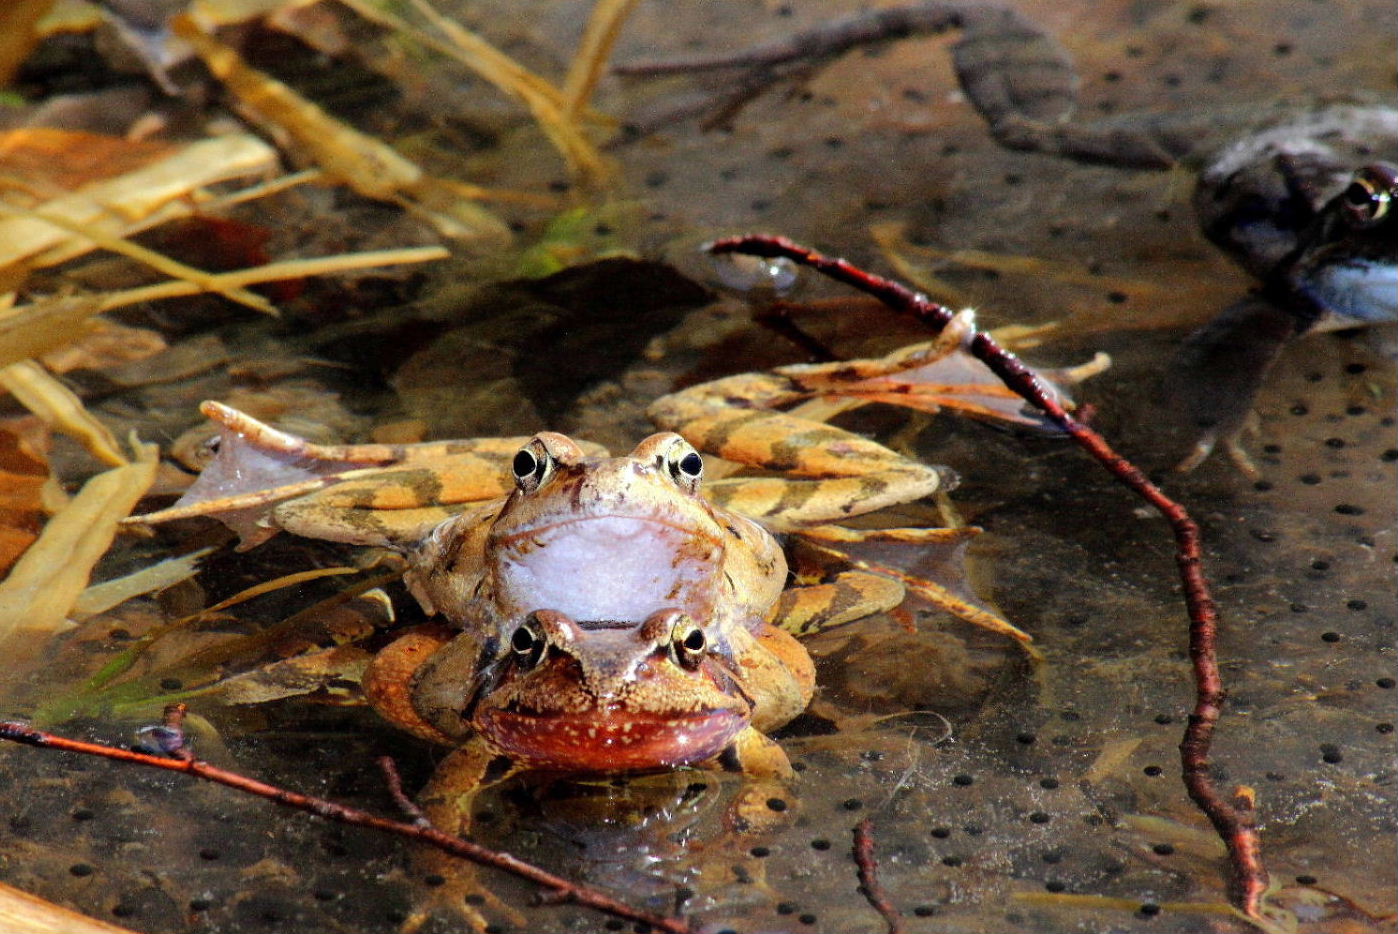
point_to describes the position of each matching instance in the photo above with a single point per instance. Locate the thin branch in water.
(819, 43)
(1235, 820)
(869, 876)
(170, 737)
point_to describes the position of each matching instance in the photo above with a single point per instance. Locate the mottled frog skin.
(611, 620)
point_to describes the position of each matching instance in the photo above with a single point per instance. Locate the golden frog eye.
(685, 465)
(1369, 197)
(531, 466)
(527, 645)
(688, 643)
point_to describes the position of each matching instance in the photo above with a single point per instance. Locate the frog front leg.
(450, 887)
(418, 683)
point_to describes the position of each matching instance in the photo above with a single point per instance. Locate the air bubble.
(758, 274)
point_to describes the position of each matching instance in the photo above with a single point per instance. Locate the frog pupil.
(1359, 196)
(691, 464)
(694, 641)
(522, 641)
(524, 464)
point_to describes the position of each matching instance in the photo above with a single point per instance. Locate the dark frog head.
(1346, 262)
(1305, 206)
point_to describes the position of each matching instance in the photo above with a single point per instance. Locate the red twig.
(559, 889)
(869, 876)
(1234, 821)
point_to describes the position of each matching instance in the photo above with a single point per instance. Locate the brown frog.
(611, 620)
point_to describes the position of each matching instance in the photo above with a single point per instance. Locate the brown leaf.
(107, 344)
(301, 674)
(47, 161)
(23, 472)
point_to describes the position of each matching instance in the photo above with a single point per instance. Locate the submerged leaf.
(36, 598)
(292, 677)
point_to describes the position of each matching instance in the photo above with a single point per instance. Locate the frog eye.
(527, 645)
(1368, 199)
(685, 465)
(688, 642)
(532, 466)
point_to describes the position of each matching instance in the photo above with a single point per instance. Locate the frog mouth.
(615, 567)
(610, 740)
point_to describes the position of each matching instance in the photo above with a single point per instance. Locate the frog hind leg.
(870, 587)
(850, 596)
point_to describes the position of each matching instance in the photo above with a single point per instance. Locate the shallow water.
(1014, 785)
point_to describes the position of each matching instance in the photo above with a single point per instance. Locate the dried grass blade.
(61, 409)
(21, 911)
(369, 166)
(279, 583)
(35, 329)
(544, 101)
(603, 27)
(158, 192)
(290, 269)
(155, 260)
(45, 583)
(99, 598)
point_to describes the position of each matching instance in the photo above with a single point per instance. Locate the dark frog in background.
(1307, 207)
(1300, 196)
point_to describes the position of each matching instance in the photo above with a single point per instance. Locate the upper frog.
(606, 539)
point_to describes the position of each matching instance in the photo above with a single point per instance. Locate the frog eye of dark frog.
(688, 642)
(531, 467)
(1368, 199)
